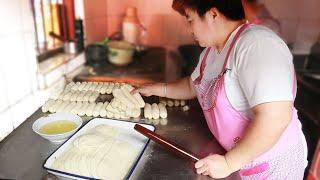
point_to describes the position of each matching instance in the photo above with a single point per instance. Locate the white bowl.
(57, 138)
(120, 52)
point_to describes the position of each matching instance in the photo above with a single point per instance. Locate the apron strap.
(204, 59)
(202, 66)
(234, 40)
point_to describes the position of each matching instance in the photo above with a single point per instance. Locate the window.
(54, 24)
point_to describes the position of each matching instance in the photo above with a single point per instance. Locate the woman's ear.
(213, 12)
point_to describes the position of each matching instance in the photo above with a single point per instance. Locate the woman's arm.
(180, 89)
(269, 122)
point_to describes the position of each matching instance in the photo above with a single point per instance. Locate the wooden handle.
(166, 143)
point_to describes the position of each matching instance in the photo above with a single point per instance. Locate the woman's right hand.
(156, 89)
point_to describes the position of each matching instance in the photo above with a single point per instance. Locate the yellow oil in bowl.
(58, 127)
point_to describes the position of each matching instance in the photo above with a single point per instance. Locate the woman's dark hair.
(231, 9)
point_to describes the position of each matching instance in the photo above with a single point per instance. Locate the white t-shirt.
(261, 69)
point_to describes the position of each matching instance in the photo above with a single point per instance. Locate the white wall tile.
(10, 14)
(23, 109)
(32, 64)
(6, 126)
(4, 103)
(26, 15)
(13, 58)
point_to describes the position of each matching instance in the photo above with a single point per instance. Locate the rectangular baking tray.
(126, 133)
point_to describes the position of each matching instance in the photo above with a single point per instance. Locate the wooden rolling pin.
(166, 144)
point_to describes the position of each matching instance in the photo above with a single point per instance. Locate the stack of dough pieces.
(98, 154)
(124, 104)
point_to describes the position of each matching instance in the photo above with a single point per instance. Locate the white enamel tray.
(126, 133)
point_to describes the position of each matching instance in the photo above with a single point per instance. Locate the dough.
(103, 111)
(176, 103)
(76, 108)
(147, 111)
(130, 97)
(117, 93)
(137, 96)
(185, 108)
(182, 102)
(67, 96)
(69, 107)
(82, 110)
(98, 154)
(155, 111)
(97, 108)
(74, 96)
(54, 106)
(170, 103)
(63, 105)
(82, 86)
(163, 111)
(47, 105)
(110, 88)
(163, 122)
(90, 109)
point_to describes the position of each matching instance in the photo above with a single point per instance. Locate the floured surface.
(98, 154)
(102, 149)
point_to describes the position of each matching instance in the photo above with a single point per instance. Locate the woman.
(245, 84)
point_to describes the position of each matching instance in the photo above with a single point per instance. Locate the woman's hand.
(151, 89)
(215, 166)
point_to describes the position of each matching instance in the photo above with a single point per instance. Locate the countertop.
(23, 153)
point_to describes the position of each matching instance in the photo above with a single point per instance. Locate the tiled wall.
(300, 20)
(18, 65)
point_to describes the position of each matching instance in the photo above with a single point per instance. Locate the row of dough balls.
(100, 87)
(79, 96)
(106, 109)
(155, 111)
(79, 108)
(174, 102)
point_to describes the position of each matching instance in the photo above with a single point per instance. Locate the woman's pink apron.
(226, 123)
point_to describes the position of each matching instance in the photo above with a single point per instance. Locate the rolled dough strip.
(117, 93)
(103, 111)
(137, 96)
(130, 97)
(63, 106)
(147, 111)
(97, 108)
(163, 111)
(170, 103)
(83, 109)
(109, 88)
(155, 111)
(76, 108)
(90, 108)
(176, 103)
(110, 114)
(185, 108)
(82, 86)
(46, 106)
(54, 106)
(182, 102)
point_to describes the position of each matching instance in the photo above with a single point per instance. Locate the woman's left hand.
(214, 165)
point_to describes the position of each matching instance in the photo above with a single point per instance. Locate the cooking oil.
(58, 127)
